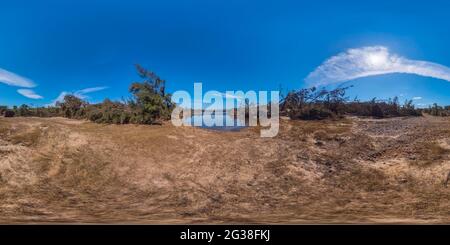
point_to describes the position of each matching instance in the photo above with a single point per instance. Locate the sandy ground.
(347, 171)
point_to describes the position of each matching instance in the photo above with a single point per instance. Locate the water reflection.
(229, 123)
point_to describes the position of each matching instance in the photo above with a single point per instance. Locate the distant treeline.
(315, 104)
(149, 104)
(437, 110)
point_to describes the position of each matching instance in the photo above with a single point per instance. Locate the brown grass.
(30, 138)
(430, 153)
(59, 170)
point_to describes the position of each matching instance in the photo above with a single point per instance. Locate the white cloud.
(417, 98)
(226, 95)
(29, 94)
(13, 79)
(422, 105)
(371, 61)
(60, 98)
(82, 94)
(89, 90)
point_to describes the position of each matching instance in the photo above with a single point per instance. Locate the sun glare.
(377, 59)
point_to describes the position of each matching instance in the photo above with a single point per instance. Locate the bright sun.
(377, 59)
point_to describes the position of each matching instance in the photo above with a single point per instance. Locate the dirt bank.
(346, 171)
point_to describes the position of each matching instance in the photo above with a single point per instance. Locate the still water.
(229, 123)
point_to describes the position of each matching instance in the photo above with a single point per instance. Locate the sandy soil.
(347, 171)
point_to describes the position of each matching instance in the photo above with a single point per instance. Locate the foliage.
(72, 107)
(150, 102)
(149, 105)
(8, 113)
(381, 109)
(437, 110)
(314, 104)
(109, 112)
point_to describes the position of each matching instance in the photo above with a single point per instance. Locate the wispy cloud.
(226, 95)
(13, 79)
(422, 105)
(82, 94)
(89, 90)
(29, 94)
(417, 98)
(371, 61)
(60, 98)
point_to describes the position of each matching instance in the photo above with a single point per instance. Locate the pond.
(229, 123)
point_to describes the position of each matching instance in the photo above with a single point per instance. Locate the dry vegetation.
(331, 171)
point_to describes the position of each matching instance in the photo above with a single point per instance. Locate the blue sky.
(70, 46)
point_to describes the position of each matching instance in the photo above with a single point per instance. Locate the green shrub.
(72, 106)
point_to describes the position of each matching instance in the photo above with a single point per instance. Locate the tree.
(24, 111)
(335, 99)
(150, 101)
(435, 110)
(71, 106)
(312, 103)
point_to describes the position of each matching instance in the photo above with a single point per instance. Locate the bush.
(3, 109)
(149, 104)
(313, 104)
(313, 113)
(9, 113)
(375, 111)
(439, 111)
(72, 106)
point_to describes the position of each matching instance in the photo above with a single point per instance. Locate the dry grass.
(27, 138)
(58, 170)
(4, 129)
(431, 153)
(320, 130)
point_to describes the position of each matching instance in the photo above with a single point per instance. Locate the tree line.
(316, 104)
(436, 110)
(149, 104)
